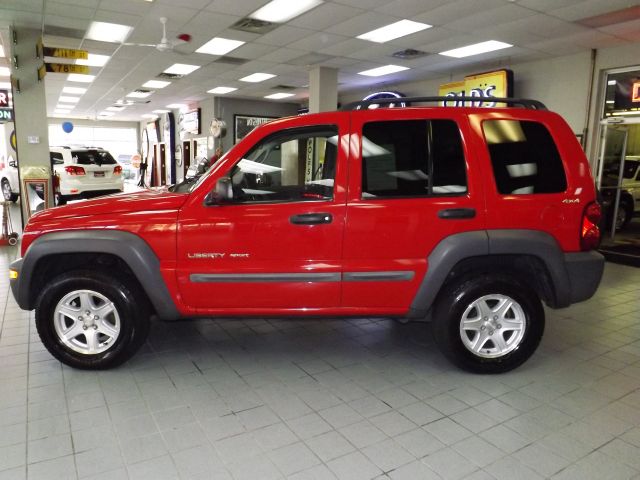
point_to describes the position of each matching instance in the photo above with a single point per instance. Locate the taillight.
(590, 232)
(117, 170)
(73, 170)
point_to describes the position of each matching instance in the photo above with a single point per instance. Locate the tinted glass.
(630, 167)
(524, 156)
(56, 158)
(412, 158)
(92, 157)
(292, 166)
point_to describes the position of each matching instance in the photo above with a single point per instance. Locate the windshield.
(92, 157)
(190, 184)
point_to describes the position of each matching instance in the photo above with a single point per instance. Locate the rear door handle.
(457, 213)
(311, 218)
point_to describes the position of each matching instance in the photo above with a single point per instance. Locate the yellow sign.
(66, 68)
(482, 85)
(42, 71)
(65, 53)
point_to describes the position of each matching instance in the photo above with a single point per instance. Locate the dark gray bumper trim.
(263, 277)
(392, 276)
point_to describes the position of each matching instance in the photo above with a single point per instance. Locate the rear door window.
(524, 157)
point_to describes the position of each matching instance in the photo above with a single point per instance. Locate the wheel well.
(51, 266)
(529, 269)
(626, 196)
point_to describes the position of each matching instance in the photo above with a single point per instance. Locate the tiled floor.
(326, 399)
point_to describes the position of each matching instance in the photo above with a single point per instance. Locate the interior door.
(610, 171)
(408, 190)
(275, 244)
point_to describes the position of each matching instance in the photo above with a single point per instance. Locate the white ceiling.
(538, 29)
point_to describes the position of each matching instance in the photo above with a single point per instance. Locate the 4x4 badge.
(571, 200)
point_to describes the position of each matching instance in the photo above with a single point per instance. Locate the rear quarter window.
(92, 157)
(524, 157)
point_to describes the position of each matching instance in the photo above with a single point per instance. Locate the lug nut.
(486, 318)
(96, 317)
(84, 327)
(80, 318)
(95, 327)
(483, 327)
(490, 332)
(499, 326)
(495, 318)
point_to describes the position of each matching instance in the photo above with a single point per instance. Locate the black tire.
(129, 303)
(456, 302)
(7, 193)
(625, 213)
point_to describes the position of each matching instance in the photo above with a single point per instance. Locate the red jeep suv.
(467, 217)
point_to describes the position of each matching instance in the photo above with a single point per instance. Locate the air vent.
(254, 26)
(171, 76)
(140, 90)
(63, 32)
(232, 60)
(409, 54)
(284, 87)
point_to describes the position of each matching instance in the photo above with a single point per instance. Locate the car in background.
(629, 195)
(85, 172)
(9, 178)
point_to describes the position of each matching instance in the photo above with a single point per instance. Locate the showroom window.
(116, 140)
(412, 158)
(524, 156)
(295, 165)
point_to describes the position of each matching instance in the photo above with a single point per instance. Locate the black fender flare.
(130, 248)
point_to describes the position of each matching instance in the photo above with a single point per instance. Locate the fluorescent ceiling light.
(69, 99)
(281, 11)
(61, 112)
(108, 32)
(161, 111)
(137, 94)
(106, 114)
(611, 82)
(222, 90)
(94, 60)
(78, 77)
(155, 84)
(1, 51)
(278, 96)
(219, 46)
(149, 115)
(394, 30)
(74, 90)
(177, 106)
(257, 77)
(476, 49)
(386, 70)
(115, 109)
(6, 85)
(181, 69)
(5, 72)
(65, 107)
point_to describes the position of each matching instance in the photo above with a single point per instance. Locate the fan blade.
(140, 44)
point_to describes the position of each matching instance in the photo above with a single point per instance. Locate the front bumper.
(15, 284)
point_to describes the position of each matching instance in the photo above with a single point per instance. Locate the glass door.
(610, 173)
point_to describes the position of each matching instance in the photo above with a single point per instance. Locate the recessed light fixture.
(106, 114)
(74, 90)
(161, 111)
(69, 99)
(177, 106)
(394, 30)
(5, 72)
(115, 109)
(219, 46)
(386, 70)
(281, 11)
(257, 77)
(108, 32)
(222, 90)
(94, 60)
(181, 69)
(155, 84)
(476, 49)
(79, 78)
(278, 96)
(149, 115)
(139, 94)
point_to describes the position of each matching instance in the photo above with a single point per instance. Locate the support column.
(323, 89)
(30, 116)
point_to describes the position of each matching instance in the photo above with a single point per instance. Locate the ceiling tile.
(547, 5)
(456, 10)
(488, 18)
(235, 7)
(409, 8)
(61, 9)
(362, 24)
(627, 30)
(252, 50)
(317, 41)
(285, 35)
(325, 15)
(591, 8)
(346, 47)
(125, 6)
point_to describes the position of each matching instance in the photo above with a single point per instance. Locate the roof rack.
(523, 102)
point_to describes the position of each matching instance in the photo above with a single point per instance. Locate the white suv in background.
(9, 178)
(85, 172)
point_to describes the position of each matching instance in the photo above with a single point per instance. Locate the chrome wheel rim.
(492, 326)
(87, 322)
(6, 190)
(621, 218)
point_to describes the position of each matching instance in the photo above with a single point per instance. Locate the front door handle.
(457, 213)
(311, 218)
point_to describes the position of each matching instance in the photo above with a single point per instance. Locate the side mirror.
(223, 192)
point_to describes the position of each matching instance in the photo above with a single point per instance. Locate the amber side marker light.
(13, 274)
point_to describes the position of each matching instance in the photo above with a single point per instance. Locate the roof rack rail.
(523, 102)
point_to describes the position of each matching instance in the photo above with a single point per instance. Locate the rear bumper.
(584, 270)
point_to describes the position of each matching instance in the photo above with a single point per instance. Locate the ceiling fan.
(165, 45)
